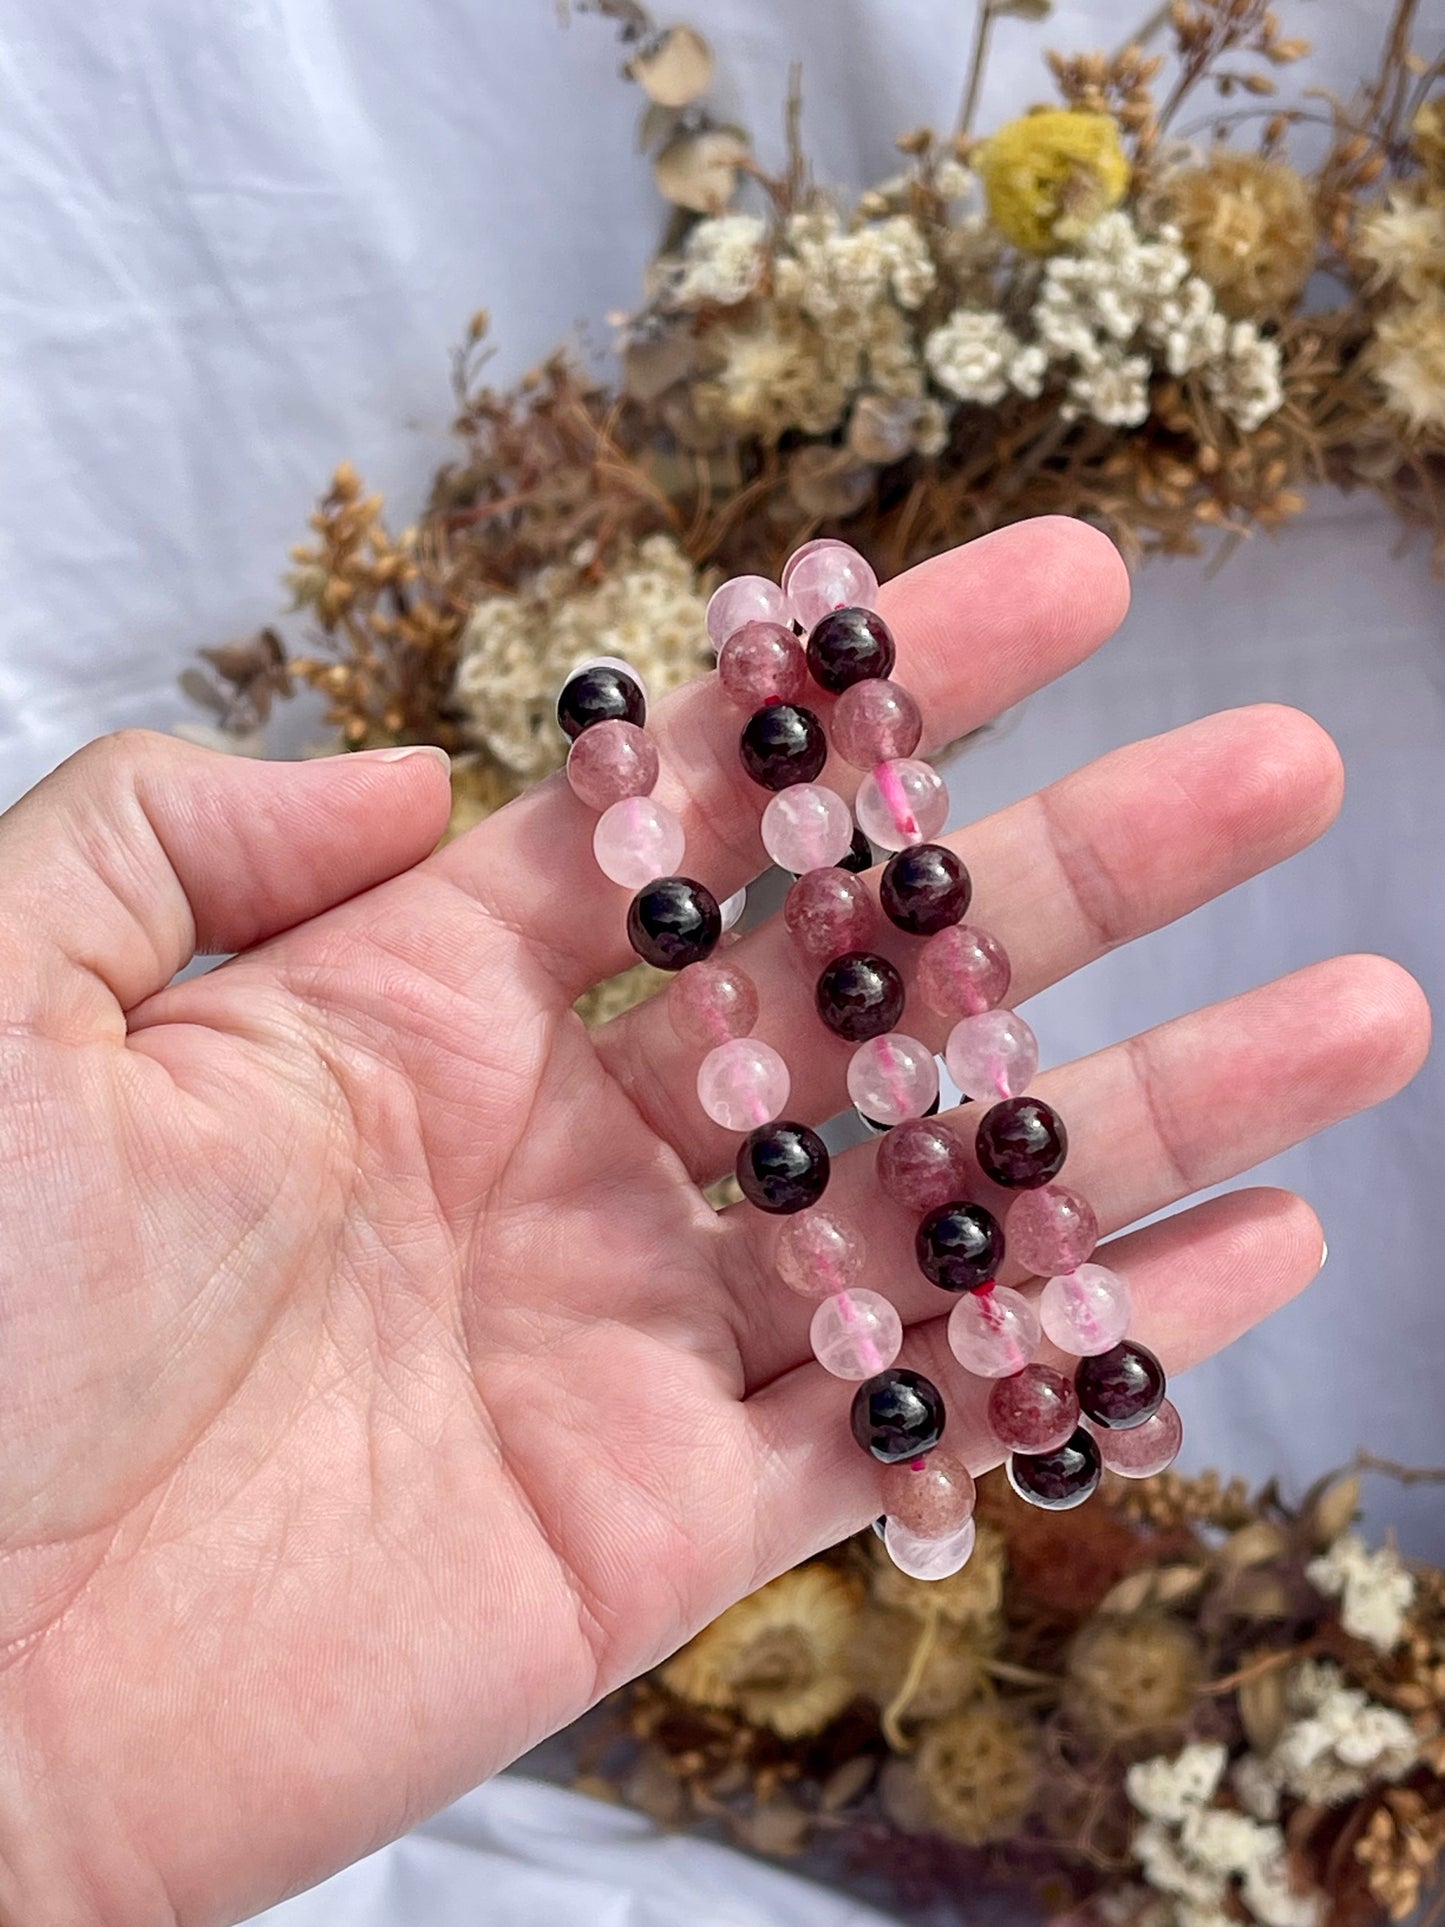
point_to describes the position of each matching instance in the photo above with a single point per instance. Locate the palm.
(390, 1391)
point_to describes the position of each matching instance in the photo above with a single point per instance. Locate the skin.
(378, 1389)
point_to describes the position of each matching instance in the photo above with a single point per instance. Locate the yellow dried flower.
(779, 1657)
(977, 1771)
(1132, 1676)
(1048, 177)
(972, 1597)
(1248, 226)
(1408, 357)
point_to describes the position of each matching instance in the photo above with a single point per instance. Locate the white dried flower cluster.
(837, 274)
(1165, 1789)
(1375, 1589)
(722, 262)
(1339, 1742)
(975, 356)
(517, 649)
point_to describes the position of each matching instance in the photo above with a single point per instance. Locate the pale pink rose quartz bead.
(742, 1084)
(855, 1334)
(636, 840)
(807, 827)
(962, 971)
(828, 912)
(744, 598)
(1142, 1450)
(825, 575)
(1051, 1230)
(932, 1497)
(762, 663)
(922, 1165)
(612, 761)
(1085, 1311)
(816, 1256)
(929, 1558)
(875, 721)
(892, 1078)
(1033, 1411)
(710, 1002)
(900, 803)
(994, 1334)
(992, 1055)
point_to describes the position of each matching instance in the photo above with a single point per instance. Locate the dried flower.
(1427, 138)
(1404, 240)
(972, 1597)
(1375, 1589)
(722, 261)
(973, 356)
(1400, 1848)
(1248, 227)
(1165, 1789)
(1130, 1676)
(977, 1771)
(952, 1669)
(1048, 177)
(1408, 360)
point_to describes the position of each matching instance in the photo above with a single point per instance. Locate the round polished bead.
(1058, 1480)
(611, 761)
(782, 745)
(807, 827)
(963, 971)
(922, 1165)
(1051, 1230)
(731, 908)
(1033, 1410)
(743, 599)
(817, 1256)
(859, 995)
(992, 1055)
(924, 889)
(636, 840)
(931, 1500)
(860, 854)
(876, 1129)
(898, 1415)
(929, 1558)
(1022, 1143)
(712, 1001)
(1085, 1311)
(742, 1084)
(892, 1078)
(828, 912)
(1144, 1449)
(959, 1246)
(783, 1167)
(602, 692)
(1122, 1387)
(673, 922)
(901, 802)
(875, 722)
(848, 646)
(994, 1334)
(826, 574)
(856, 1334)
(762, 663)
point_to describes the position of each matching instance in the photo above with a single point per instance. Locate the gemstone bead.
(762, 663)
(742, 1083)
(817, 1256)
(1144, 1449)
(1058, 1480)
(602, 692)
(1085, 1311)
(1120, 1388)
(860, 854)
(875, 722)
(781, 745)
(959, 1246)
(783, 1167)
(924, 889)
(994, 1334)
(922, 1165)
(848, 646)
(900, 802)
(636, 840)
(807, 827)
(929, 1558)
(1022, 1143)
(856, 1334)
(992, 1055)
(892, 1078)
(897, 1415)
(1033, 1410)
(710, 1002)
(743, 599)
(859, 995)
(1051, 1230)
(933, 1500)
(828, 912)
(673, 922)
(827, 574)
(611, 761)
(963, 971)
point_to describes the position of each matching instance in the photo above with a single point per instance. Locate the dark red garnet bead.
(783, 1167)
(859, 857)
(1121, 1388)
(783, 744)
(674, 922)
(959, 1246)
(848, 646)
(601, 694)
(859, 996)
(897, 1415)
(925, 889)
(1022, 1143)
(1057, 1480)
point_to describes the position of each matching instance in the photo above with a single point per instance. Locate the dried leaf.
(699, 171)
(880, 428)
(1262, 1708)
(202, 691)
(849, 1783)
(654, 125)
(828, 482)
(1151, 1586)
(1253, 1545)
(779, 1827)
(1333, 1511)
(1034, 10)
(673, 69)
(655, 359)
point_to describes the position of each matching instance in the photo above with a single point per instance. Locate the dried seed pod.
(699, 170)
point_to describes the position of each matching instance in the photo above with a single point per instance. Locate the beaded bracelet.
(1057, 1434)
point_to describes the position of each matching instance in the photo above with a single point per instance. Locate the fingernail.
(400, 754)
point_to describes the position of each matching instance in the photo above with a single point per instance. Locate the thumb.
(142, 851)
